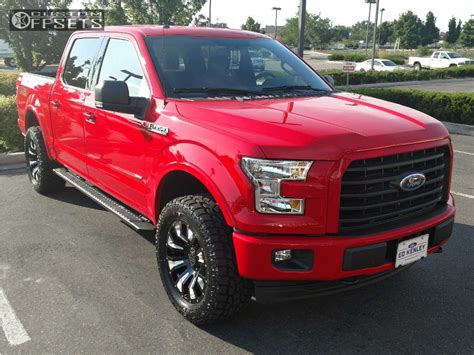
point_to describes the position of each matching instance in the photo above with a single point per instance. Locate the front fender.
(221, 175)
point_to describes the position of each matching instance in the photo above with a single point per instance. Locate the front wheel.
(40, 167)
(197, 262)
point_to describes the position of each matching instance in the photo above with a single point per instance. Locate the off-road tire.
(226, 293)
(40, 166)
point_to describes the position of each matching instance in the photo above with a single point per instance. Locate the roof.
(158, 30)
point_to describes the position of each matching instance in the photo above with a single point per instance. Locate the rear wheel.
(40, 167)
(197, 262)
(417, 66)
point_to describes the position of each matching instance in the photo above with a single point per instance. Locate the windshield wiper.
(293, 88)
(216, 91)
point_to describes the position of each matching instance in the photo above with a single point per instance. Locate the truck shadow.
(427, 307)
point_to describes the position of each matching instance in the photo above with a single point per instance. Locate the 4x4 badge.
(153, 127)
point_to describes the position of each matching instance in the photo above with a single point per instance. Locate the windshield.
(199, 67)
(388, 63)
(453, 55)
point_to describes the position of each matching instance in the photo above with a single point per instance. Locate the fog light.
(282, 255)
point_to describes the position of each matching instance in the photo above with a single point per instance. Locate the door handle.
(55, 103)
(90, 118)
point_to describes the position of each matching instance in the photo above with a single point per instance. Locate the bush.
(348, 56)
(336, 56)
(8, 83)
(423, 51)
(10, 136)
(357, 78)
(396, 58)
(450, 107)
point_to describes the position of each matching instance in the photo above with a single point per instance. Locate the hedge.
(450, 107)
(10, 136)
(357, 78)
(360, 57)
(8, 83)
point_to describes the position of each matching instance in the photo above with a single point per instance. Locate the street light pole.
(301, 24)
(375, 33)
(276, 19)
(210, 13)
(381, 23)
(368, 26)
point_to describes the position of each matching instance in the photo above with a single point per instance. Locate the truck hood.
(324, 128)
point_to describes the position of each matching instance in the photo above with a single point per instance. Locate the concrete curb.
(12, 161)
(457, 128)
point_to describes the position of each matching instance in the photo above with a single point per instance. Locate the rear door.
(116, 141)
(66, 103)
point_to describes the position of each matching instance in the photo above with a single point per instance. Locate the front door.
(116, 141)
(66, 104)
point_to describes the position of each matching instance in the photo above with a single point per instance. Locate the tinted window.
(79, 61)
(121, 63)
(257, 65)
(389, 63)
(435, 55)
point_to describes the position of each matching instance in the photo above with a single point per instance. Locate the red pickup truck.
(265, 183)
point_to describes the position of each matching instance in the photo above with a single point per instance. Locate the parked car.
(439, 59)
(6, 54)
(268, 184)
(379, 65)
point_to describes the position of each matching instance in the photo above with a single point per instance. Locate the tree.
(429, 33)
(467, 34)
(408, 28)
(458, 29)
(340, 33)
(33, 49)
(317, 31)
(387, 32)
(251, 25)
(453, 30)
(201, 21)
(165, 12)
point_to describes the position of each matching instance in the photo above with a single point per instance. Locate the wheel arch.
(184, 180)
(187, 165)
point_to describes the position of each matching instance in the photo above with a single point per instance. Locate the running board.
(129, 217)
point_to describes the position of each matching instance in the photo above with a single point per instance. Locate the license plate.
(412, 250)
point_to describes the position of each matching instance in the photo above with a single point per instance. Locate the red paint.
(207, 140)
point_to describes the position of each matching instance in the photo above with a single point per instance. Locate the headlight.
(266, 176)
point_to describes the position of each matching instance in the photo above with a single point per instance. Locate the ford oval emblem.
(412, 245)
(412, 182)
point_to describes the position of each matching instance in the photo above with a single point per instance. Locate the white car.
(379, 65)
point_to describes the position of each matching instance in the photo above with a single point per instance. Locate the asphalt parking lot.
(78, 280)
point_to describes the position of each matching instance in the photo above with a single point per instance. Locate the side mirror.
(330, 79)
(113, 95)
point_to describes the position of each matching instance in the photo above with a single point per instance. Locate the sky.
(341, 12)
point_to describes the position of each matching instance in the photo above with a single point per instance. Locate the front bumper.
(337, 257)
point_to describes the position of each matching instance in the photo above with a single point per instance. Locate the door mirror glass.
(113, 95)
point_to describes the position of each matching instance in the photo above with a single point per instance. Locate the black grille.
(371, 197)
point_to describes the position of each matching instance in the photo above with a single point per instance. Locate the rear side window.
(121, 63)
(79, 61)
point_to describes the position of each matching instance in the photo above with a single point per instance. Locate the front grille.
(371, 197)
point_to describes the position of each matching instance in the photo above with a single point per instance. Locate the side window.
(120, 62)
(79, 61)
(435, 55)
(443, 56)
